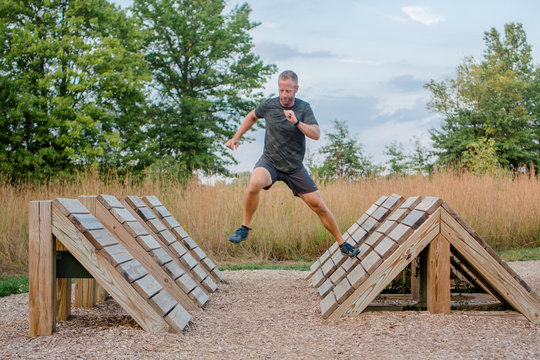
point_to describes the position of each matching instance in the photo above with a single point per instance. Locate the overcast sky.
(365, 62)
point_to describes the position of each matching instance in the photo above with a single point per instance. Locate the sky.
(365, 62)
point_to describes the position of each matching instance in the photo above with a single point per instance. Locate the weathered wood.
(386, 247)
(389, 269)
(349, 264)
(135, 229)
(429, 204)
(63, 299)
(438, 274)
(109, 201)
(156, 225)
(162, 212)
(41, 269)
(370, 224)
(178, 249)
(359, 235)
(411, 202)
(161, 256)
(147, 286)
(400, 233)
(167, 237)
(338, 275)
(122, 215)
(121, 232)
(132, 270)
(371, 262)
(381, 200)
(380, 213)
(386, 227)
(393, 201)
(353, 228)
(152, 201)
(398, 214)
(146, 214)
(148, 242)
(63, 291)
(174, 270)
(414, 219)
(85, 222)
(357, 276)
(162, 302)
(189, 242)
(178, 318)
(374, 239)
(490, 269)
(106, 274)
(116, 254)
(343, 290)
(329, 304)
(100, 238)
(135, 202)
(70, 206)
(85, 293)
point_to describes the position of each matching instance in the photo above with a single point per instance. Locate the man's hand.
(289, 114)
(232, 143)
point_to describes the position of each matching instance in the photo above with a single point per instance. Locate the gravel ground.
(271, 314)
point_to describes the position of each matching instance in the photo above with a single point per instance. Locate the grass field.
(505, 211)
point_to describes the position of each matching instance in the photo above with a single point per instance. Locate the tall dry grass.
(505, 211)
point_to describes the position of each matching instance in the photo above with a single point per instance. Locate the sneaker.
(239, 235)
(349, 250)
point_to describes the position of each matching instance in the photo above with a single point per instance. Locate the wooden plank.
(85, 222)
(370, 224)
(129, 242)
(429, 204)
(145, 213)
(132, 270)
(100, 238)
(359, 235)
(63, 299)
(162, 302)
(490, 269)
(70, 206)
(400, 233)
(63, 291)
(106, 274)
(116, 254)
(380, 214)
(414, 219)
(135, 202)
(174, 270)
(147, 287)
(411, 202)
(122, 215)
(162, 212)
(148, 242)
(178, 318)
(350, 263)
(109, 201)
(152, 201)
(393, 201)
(85, 293)
(178, 249)
(167, 237)
(438, 275)
(41, 269)
(161, 256)
(381, 200)
(398, 214)
(189, 242)
(389, 269)
(386, 227)
(386, 247)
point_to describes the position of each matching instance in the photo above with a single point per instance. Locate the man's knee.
(259, 179)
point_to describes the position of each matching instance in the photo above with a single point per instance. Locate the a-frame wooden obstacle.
(135, 249)
(390, 235)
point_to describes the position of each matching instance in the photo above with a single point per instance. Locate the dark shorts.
(299, 181)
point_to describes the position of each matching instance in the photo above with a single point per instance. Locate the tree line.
(155, 87)
(490, 119)
(159, 87)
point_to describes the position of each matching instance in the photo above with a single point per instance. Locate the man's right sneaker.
(239, 235)
(348, 249)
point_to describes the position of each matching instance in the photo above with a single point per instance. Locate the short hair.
(289, 74)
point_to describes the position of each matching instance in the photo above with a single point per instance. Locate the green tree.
(481, 157)
(399, 162)
(343, 156)
(71, 86)
(491, 99)
(205, 79)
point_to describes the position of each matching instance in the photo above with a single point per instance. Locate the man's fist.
(289, 114)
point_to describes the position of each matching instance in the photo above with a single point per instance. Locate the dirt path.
(270, 314)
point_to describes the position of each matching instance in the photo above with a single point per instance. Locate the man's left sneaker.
(239, 235)
(348, 249)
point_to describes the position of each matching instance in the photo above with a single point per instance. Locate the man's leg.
(316, 203)
(260, 178)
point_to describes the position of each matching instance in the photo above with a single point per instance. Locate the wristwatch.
(297, 122)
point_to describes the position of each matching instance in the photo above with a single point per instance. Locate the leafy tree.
(399, 162)
(205, 78)
(491, 99)
(70, 88)
(343, 156)
(481, 157)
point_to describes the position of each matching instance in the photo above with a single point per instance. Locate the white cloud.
(422, 15)
(359, 61)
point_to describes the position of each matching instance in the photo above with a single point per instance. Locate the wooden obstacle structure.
(134, 248)
(392, 234)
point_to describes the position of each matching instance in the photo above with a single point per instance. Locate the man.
(288, 121)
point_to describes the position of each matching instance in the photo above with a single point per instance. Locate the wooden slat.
(71, 206)
(85, 293)
(106, 274)
(85, 222)
(41, 269)
(152, 201)
(145, 213)
(116, 254)
(128, 241)
(132, 270)
(100, 238)
(178, 318)
(389, 269)
(162, 212)
(135, 202)
(109, 201)
(162, 302)
(122, 215)
(490, 269)
(438, 274)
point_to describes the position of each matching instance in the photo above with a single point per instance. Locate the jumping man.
(288, 121)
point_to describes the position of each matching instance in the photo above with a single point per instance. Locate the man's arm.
(312, 131)
(247, 124)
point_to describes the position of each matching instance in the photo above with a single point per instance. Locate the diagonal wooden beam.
(490, 269)
(390, 268)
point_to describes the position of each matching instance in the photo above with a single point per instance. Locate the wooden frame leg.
(438, 276)
(41, 269)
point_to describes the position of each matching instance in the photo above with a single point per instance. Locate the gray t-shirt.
(284, 143)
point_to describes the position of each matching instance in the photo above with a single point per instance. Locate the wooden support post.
(438, 276)
(63, 292)
(422, 279)
(41, 268)
(85, 293)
